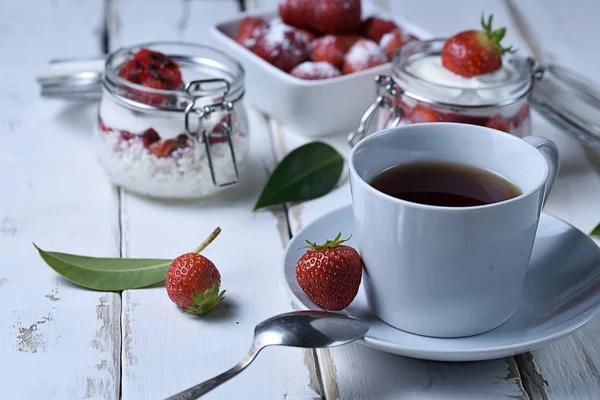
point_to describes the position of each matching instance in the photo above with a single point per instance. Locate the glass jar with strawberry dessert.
(171, 123)
(468, 78)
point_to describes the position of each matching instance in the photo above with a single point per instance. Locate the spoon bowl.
(306, 329)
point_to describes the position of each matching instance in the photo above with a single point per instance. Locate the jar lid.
(418, 70)
(211, 72)
(569, 101)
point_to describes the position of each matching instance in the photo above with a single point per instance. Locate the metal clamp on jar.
(187, 142)
(500, 101)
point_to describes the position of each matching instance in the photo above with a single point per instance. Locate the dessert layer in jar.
(149, 152)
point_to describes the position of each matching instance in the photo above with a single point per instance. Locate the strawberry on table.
(330, 273)
(471, 53)
(374, 28)
(193, 281)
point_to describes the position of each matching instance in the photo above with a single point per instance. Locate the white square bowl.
(312, 108)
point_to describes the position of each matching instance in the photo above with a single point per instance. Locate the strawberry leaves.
(494, 37)
(205, 302)
(595, 231)
(329, 244)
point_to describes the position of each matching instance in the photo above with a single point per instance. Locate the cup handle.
(550, 151)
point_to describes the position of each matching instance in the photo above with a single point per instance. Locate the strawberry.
(471, 53)
(193, 281)
(218, 134)
(283, 46)
(330, 49)
(126, 135)
(315, 70)
(310, 36)
(521, 116)
(152, 69)
(362, 55)
(150, 136)
(164, 148)
(330, 273)
(374, 28)
(391, 42)
(249, 30)
(324, 16)
(422, 113)
(498, 123)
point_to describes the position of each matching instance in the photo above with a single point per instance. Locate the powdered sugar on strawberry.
(365, 52)
(318, 70)
(386, 40)
(276, 40)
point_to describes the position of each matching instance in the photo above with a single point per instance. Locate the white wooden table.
(58, 341)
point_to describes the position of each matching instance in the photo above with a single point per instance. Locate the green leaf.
(108, 274)
(306, 173)
(595, 231)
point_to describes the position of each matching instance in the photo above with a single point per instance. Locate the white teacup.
(448, 271)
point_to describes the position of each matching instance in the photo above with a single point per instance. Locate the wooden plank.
(57, 340)
(568, 368)
(357, 372)
(164, 350)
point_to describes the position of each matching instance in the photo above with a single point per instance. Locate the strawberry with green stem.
(193, 281)
(330, 273)
(471, 53)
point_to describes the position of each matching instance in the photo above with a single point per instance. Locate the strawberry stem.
(208, 240)
(329, 244)
(206, 301)
(494, 37)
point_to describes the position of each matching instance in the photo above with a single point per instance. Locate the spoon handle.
(202, 388)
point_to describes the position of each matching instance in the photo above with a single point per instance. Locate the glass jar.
(422, 90)
(180, 144)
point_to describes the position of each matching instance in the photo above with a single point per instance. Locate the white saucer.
(561, 294)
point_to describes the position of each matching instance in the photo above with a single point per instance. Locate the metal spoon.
(309, 329)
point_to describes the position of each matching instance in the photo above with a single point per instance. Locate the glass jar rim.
(522, 84)
(115, 84)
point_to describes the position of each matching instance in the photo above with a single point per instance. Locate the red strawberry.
(422, 113)
(315, 70)
(521, 116)
(325, 16)
(152, 69)
(309, 35)
(219, 134)
(374, 28)
(150, 136)
(471, 53)
(330, 49)
(391, 42)
(362, 55)
(498, 123)
(249, 30)
(330, 273)
(283, 46)
(126, 135)
(193, 281)
(165, 148)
